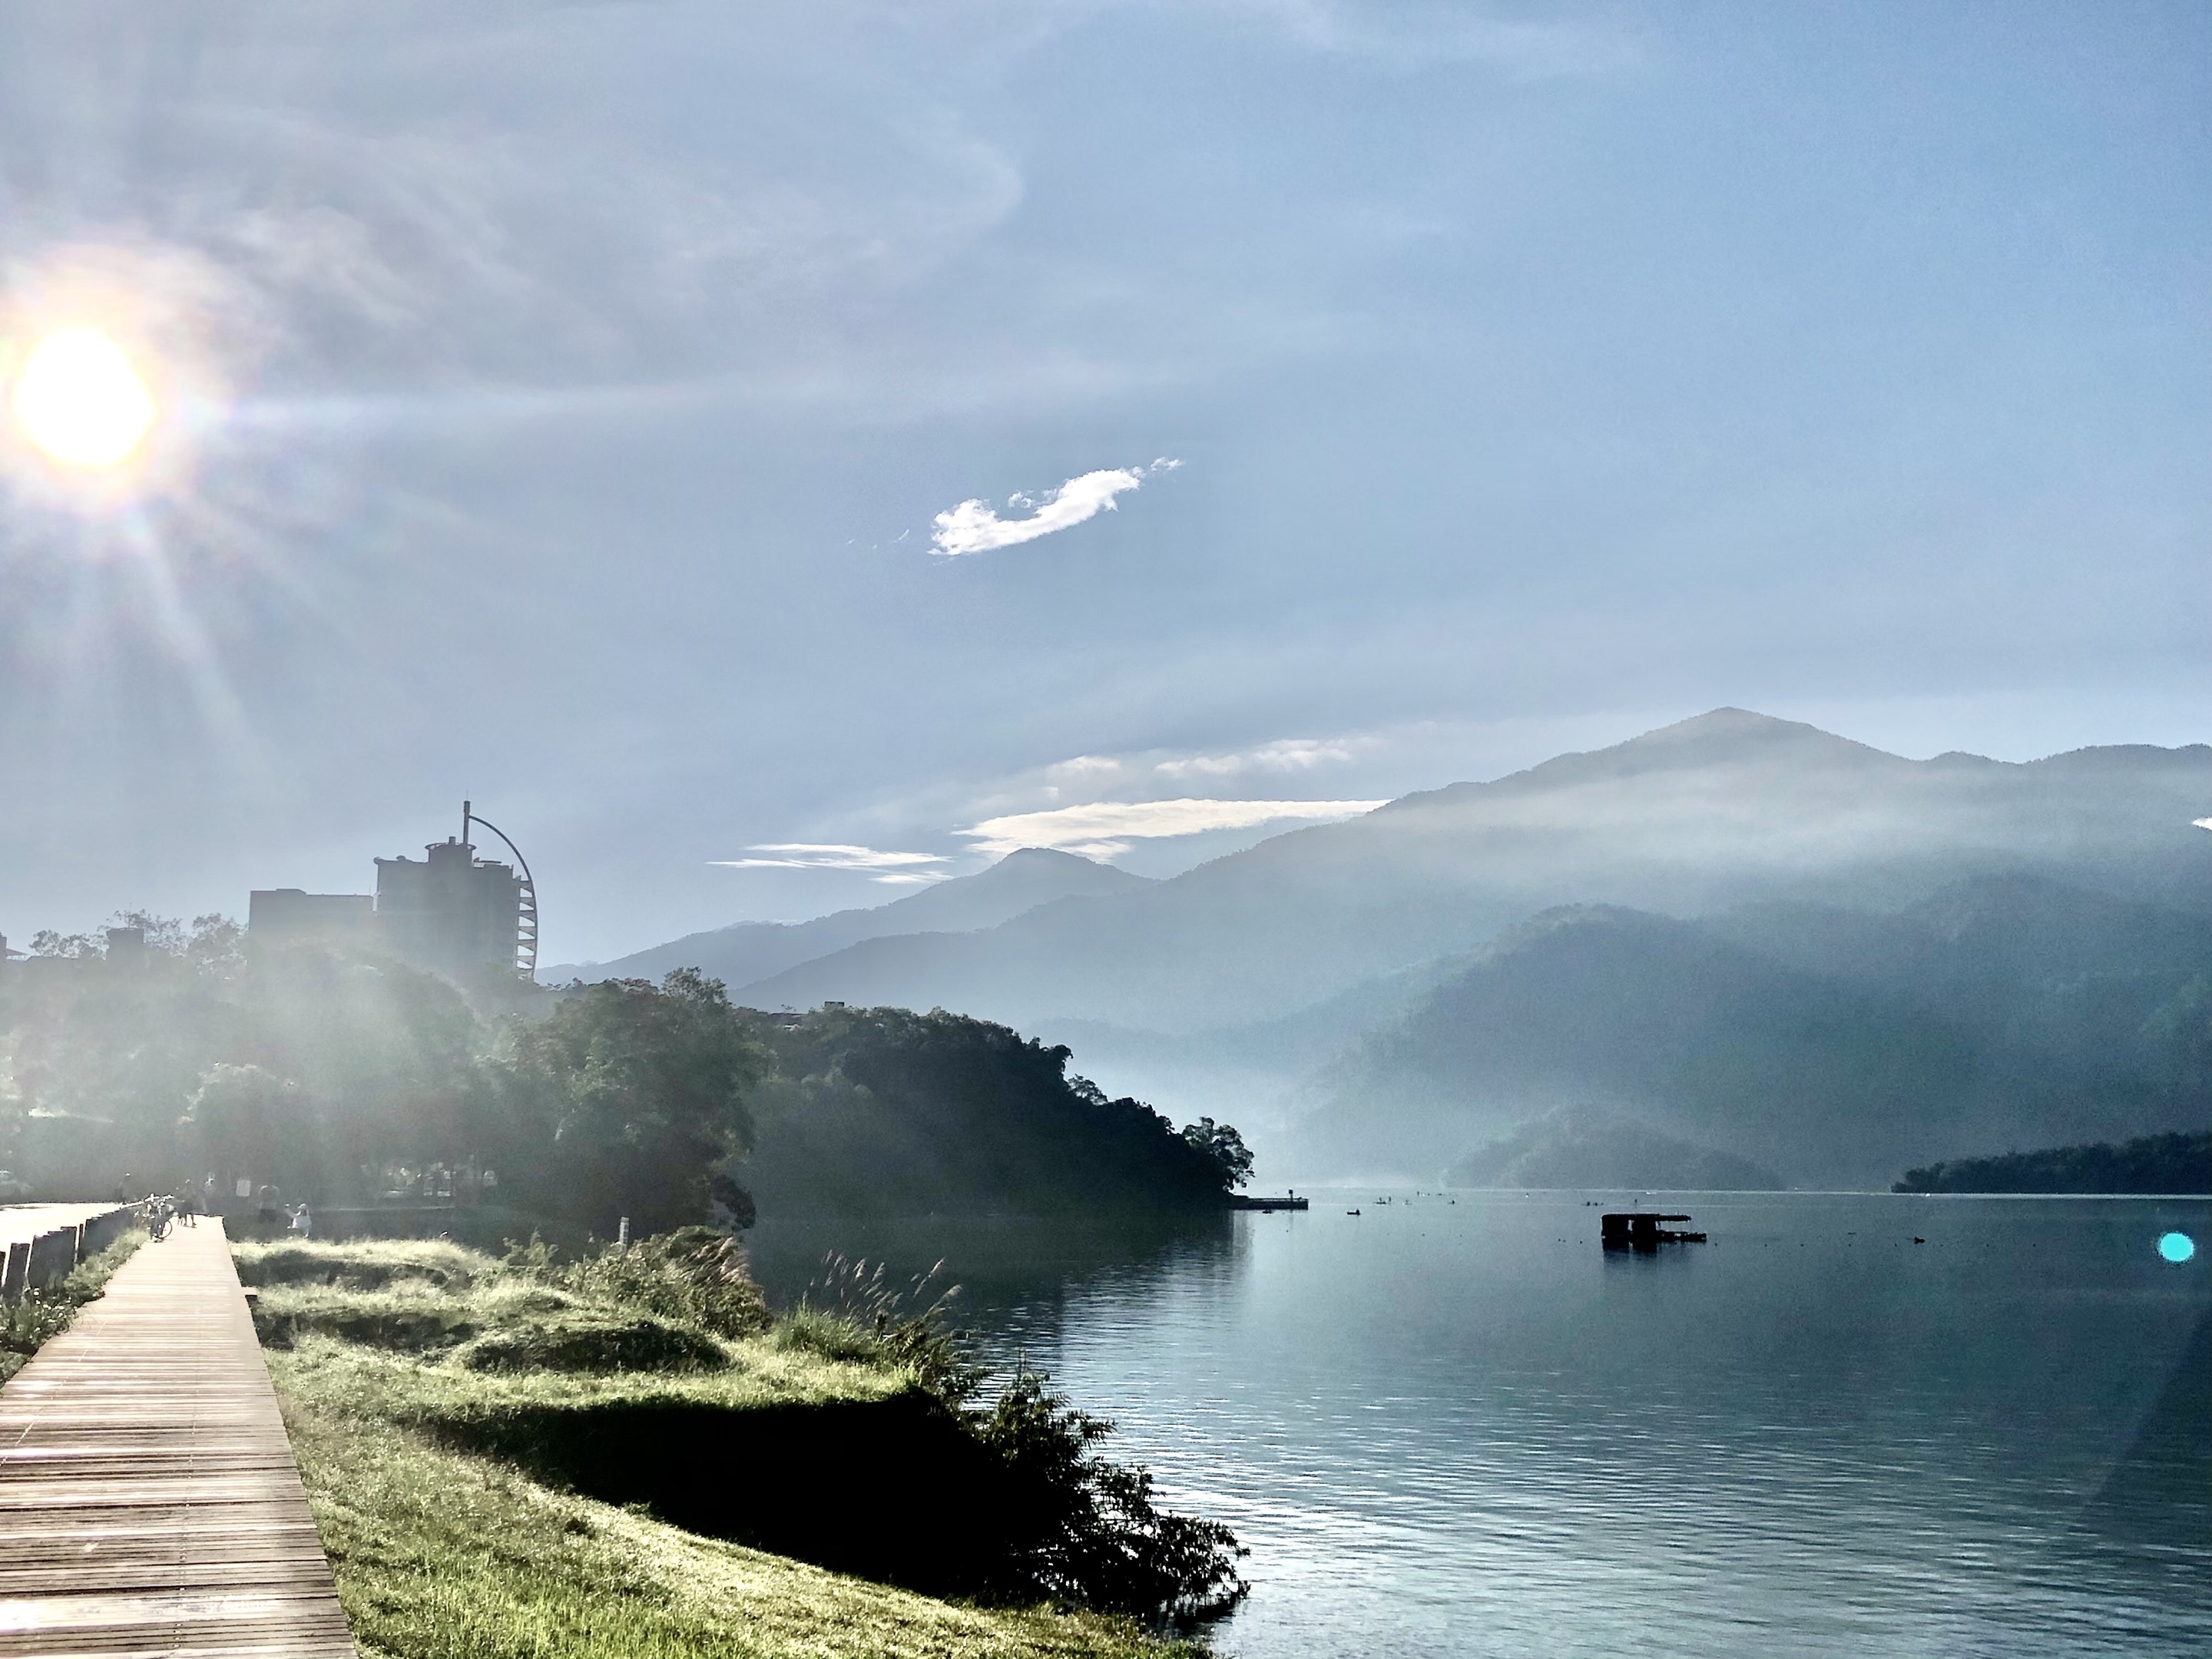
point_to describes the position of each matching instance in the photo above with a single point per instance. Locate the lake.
(1453, 1426)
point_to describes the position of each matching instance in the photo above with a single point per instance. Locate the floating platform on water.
(1246, 1201)
(1640, 1229)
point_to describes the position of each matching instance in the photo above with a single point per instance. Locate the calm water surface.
(1457, 1427)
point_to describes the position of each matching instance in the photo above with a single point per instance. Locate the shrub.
(359, 1266)
(695, 1275)
(828, 1336)
(1085, 1531)
(635, 1344)
(406, 1330)
(1079, 1529)
(850, 1312)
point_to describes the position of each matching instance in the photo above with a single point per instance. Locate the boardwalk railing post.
(53, 1255)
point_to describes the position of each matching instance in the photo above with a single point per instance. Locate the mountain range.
(2000, 1010)
(751, 951)
(1738, 931)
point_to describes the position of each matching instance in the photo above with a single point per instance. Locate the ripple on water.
(1463, 1431)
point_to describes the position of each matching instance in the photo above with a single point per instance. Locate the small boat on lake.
(1641, 1230)
(1246, 1201)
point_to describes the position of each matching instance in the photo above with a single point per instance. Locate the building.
(286, 915)
(449, 911)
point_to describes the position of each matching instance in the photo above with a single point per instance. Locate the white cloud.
(893, 869)
(1082, 766)
(1284, 755)
(1104, 830)
(974, 526)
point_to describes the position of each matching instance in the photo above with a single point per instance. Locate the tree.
(245, 1121)
(1222, 1144)
(641, 1092)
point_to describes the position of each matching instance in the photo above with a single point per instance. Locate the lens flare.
(2177, 1248)
(79, 399)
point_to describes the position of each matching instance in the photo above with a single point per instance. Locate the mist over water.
(1454, 1426)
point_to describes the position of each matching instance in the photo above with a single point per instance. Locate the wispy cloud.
(1284, 755)
(893, 869)
(974, 526)
(1104, 830)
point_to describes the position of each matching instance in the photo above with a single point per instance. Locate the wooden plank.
(149, 1503)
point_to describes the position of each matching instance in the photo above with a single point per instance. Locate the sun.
(79, 399)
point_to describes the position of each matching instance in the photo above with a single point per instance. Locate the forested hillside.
(882, 1110)
(2150, 1164)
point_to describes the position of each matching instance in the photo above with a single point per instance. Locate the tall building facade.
(450, 912)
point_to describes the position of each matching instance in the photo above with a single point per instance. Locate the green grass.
(441, 1553)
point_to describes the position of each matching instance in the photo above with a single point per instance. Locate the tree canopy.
(341, 1078)
(886, 1110)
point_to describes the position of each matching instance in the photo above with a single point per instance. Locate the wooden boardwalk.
(149, 1501)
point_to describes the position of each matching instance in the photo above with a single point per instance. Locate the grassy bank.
(497, 1456)
(28, 1324)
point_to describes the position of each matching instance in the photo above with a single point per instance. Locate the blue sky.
(559, 404)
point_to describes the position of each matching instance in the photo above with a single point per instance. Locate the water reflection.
(1018, 1275)
(1864, 1425)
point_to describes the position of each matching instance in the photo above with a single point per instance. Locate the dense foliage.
(2153, 1163)
(345, 1080)
(632, 1095)
(1083, 1530)
(879, 1109)
(338, 1079)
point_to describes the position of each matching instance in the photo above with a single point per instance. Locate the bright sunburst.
(79, 399)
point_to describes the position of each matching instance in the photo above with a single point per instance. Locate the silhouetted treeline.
(349, 1081)
(885, 1111)
(2154, 1163)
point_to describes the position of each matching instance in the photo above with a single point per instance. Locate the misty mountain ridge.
(1819, 1043)
(1594, 1151)
(1733, 933)
(747, 951)
(1727, 809)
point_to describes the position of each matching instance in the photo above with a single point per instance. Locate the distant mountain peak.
(1044, 857)
(1733, 721)
(750, 952)
(1720, 737)
(1720, 730)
